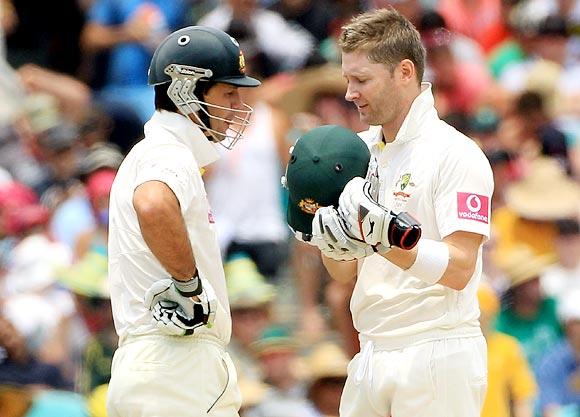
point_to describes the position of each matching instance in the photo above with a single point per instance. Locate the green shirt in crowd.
(536, 334)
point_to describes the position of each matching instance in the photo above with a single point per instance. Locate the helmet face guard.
(184, 79)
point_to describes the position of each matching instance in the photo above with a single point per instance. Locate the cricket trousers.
(439, 378)
(171, 376)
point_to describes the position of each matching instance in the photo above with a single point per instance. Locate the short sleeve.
(463, 191)
(173, 165)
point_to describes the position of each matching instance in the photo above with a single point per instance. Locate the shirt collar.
(422, 109)
(186, 132)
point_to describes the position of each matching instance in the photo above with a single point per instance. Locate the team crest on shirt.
(210, 217)
(403, 187)
(308, 205)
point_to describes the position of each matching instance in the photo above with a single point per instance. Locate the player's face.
(372, 88)
(223, 95)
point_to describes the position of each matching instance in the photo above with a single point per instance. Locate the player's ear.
(406, 70)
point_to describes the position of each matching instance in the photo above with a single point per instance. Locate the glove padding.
(330, 236)
(178, 315)
(372, 223)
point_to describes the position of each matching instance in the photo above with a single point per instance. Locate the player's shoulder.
(458, 145)
(371, 135)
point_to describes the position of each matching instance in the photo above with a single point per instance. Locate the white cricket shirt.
(173, 151)
(444, 180)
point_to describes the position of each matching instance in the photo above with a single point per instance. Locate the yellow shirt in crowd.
(509, 376)
(510, 230)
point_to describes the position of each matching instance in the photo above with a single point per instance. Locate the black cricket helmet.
(199, 53)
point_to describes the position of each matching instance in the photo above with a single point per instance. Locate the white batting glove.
(365, 219)
(330, 236)
(177, 314)
(374, 224)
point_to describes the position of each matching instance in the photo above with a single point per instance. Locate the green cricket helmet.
(322, 162)
(202, 54)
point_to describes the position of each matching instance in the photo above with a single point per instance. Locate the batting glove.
(177, 314)
(374, 224)
(330, 236)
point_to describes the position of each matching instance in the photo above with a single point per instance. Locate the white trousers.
(167, 376)
(441, 378)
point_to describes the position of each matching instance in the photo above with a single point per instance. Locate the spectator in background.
(503, 175)
(527, 314)
(472, 18)
(559, 370)
(287, 47)
(510, 382)
(98, 188)
(97, 341)
(327, 365)
(459, 86)
(564, 275)
(277, 351)
(539, 135)
(251, 300)
(316, 16)
(19, 366)
(45, 35)
(463, 48)
(129, 32)
(533, 203)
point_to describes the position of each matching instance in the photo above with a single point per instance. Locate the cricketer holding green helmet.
(322, 162)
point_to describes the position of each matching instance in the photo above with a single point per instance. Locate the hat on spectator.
(59, 138)
(311, 83)
(545, 193)
(569, 306)
(19, 219)
(247, 288)
(327, 360)
(99, 183)
(101, 155)
(521, 264)
(87, 277)
(42, 112)
(275, 339)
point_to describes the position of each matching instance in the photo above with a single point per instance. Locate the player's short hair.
(387, 37)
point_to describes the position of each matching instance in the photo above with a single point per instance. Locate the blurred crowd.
(74, 97)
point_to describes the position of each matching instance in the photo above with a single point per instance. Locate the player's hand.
(330, 236)
(176, 314)
(372, 223)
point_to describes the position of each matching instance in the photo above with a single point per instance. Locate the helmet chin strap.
(181, 91)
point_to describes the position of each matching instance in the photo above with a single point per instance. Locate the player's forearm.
(450, 263)
(343, 271)
(163, 228)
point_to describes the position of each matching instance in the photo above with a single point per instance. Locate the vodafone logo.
(473, 203)
(472, 206)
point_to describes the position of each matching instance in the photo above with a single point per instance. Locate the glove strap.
(189, 288)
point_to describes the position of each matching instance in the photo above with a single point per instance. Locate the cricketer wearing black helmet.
(167, 284)
(186, 67)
